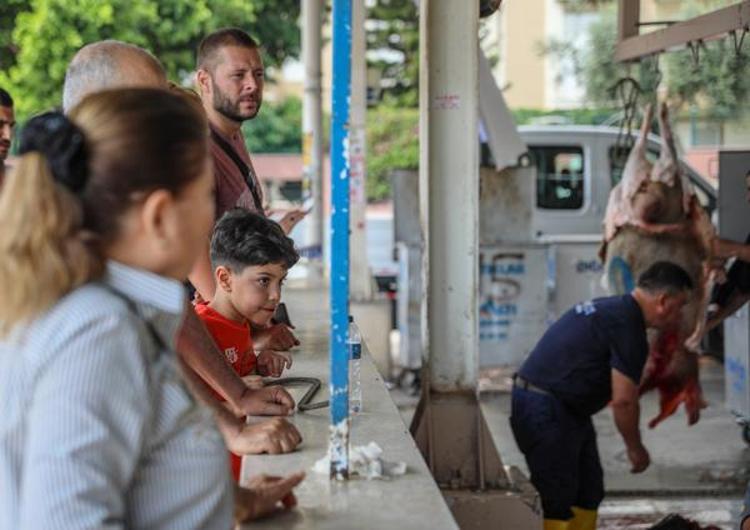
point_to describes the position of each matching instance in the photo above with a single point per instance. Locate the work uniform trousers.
(560, 450)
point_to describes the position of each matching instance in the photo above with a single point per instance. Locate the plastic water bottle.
(354, 344)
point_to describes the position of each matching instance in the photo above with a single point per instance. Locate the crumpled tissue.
(366, 461)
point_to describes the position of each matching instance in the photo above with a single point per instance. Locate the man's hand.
(626, 412)
(272, 363)
(264, 496)
(268, 401)
(290, 219)
(276, 337)
(639, 458)
(274, 436)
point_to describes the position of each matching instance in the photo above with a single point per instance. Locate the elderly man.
(7, 123)
(110, 64)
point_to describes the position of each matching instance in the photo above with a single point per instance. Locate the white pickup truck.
(540, 232)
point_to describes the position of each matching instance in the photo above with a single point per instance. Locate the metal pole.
(449, 191)
(361, 284)
(338, 448)
(628, 16)
(312, 128)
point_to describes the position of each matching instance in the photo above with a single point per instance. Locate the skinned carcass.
(653, 215)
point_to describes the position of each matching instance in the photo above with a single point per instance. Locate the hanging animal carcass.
(653, 215)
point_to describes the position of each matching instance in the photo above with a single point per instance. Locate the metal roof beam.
(705, 27)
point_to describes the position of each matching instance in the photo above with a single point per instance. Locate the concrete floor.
(699, 472)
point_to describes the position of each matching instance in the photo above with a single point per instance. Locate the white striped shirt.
(97, 428)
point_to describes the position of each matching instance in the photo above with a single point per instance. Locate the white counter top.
(410, 501)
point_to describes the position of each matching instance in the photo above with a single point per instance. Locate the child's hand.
(275, 337)
(272, 363)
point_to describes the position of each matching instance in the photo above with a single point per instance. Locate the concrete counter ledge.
(409, 501)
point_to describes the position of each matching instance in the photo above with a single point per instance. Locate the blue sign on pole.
(338, 448)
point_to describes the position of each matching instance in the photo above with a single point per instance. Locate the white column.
(360, 281)
(312, 128)
(449, 190)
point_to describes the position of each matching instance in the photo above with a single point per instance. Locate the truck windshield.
(559, 178)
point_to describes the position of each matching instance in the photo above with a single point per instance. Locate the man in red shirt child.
(250, 256)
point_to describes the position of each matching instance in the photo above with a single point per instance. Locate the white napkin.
(365, 461)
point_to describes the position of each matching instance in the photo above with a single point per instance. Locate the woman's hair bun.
(63, 145)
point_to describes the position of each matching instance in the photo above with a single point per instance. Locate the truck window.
(559, 179)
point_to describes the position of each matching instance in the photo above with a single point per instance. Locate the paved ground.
(699, 472)
(707, 458)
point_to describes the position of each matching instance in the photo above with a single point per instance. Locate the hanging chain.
(738, 42)
(628, 90)
(695, 51)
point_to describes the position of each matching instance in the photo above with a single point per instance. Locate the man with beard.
(112, 64)
(230, 77)
(7, 123)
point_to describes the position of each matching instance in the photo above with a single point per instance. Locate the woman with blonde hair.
(102, 218)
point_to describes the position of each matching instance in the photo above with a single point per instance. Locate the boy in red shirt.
(250, 256)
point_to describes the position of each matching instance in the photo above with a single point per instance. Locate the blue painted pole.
(338, 447)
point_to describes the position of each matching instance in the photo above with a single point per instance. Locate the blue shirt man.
(593, 355)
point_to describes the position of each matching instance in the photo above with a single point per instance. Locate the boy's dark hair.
(243, 239)
(665, 276)
(5, 99)
(213, 42)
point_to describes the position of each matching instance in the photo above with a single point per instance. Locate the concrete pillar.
(312, 130)
(449, 190)
(360, 287)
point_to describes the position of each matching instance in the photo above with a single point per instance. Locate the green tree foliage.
(46, 34)
(719, 82)
(393, 41)
(276, 128)
(8, 11)
(392, 143)
(587, 116)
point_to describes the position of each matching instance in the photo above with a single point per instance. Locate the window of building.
(559, 179)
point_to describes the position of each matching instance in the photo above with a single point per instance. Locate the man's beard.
(231, 109)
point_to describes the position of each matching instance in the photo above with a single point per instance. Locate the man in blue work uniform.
(593, 355)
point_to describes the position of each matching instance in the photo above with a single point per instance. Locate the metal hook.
(628, 90)
(656, 70)
(738, 44)
(695, 50)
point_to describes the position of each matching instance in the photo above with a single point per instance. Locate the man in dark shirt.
(7, 123)
(593, 355)
(735, 291)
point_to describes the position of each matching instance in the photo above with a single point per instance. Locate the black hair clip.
(62, 143)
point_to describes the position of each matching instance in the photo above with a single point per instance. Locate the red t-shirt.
(236, 344)
(233, 339)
